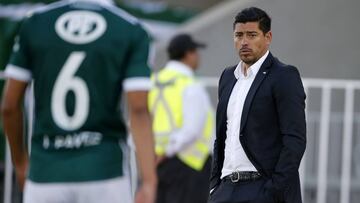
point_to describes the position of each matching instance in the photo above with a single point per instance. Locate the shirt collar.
(253, 69)
(111, 2)
(179, 67)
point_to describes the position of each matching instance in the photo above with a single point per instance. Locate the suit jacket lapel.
(262, 73)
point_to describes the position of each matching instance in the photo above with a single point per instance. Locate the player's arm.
(140, 125)
(137, 84)
(19, 74)
(12, 114)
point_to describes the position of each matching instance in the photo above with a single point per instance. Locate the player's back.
(79, 55)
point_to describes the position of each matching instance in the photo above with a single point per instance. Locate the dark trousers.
(241, 192)
(178, 183)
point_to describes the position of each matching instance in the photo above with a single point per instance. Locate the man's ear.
(268, 37)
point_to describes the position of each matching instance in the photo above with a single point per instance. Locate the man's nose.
(244, 41)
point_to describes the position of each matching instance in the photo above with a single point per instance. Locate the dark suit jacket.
(272, 130)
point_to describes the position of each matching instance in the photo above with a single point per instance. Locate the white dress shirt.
(235, 157)
(196, 104)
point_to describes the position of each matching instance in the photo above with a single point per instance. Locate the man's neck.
(187, 63)
(245, 67)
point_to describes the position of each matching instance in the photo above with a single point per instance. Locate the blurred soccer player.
(81, 55)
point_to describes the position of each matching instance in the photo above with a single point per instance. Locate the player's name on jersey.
(72, 141)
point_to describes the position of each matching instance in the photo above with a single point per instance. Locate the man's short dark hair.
(254, 14)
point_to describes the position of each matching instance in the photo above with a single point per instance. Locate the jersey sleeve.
(18, 67)
(137, 75)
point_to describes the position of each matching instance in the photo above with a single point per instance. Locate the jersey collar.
(111, 2)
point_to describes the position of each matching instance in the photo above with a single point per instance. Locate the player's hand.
(147, 192)
(21, 172)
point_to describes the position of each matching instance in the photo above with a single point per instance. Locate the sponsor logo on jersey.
(80, 27)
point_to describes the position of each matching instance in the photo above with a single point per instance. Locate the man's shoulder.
(49, 8)
(121, 14)
(117, 20)
(229, 70)
(281, 67)
(196, 90)
(112, 12)
(281, 72)
(41, 12)
(227, 73)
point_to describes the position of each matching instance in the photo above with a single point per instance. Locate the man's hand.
(21, 172)
(160, 159)
(146, 193)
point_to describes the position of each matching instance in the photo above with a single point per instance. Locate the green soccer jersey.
(81, 57)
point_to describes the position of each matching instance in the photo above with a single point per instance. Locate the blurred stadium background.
(320, 37)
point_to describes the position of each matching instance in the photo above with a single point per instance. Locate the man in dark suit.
(260, 121)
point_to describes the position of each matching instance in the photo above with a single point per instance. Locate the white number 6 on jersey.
(65, 82)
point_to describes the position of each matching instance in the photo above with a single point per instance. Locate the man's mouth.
(245, 51)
